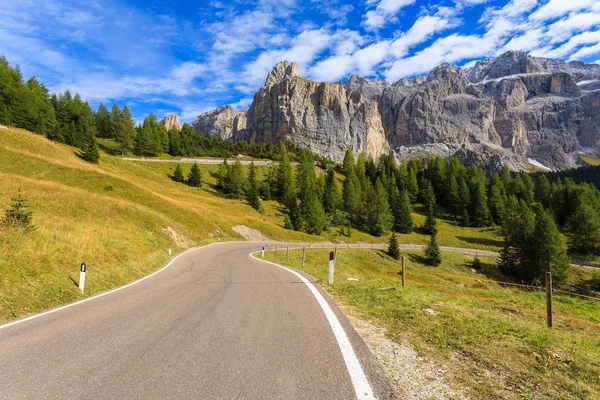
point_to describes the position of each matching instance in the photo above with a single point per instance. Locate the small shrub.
(394, 247)
(17, 214)
(476, 263)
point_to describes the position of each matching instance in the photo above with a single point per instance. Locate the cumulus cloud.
(384, 13)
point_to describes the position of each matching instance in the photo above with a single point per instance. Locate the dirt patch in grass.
(413, 376)
(253, 235)
(179, 238)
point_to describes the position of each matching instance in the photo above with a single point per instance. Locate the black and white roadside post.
(82, 276)
(263, 252)
(331, 266)
(169, 251)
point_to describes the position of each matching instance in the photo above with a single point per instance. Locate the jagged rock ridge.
(500, 111)
(172, 121)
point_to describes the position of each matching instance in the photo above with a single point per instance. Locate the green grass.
(590, 160)
(120, 217)
(492, 338)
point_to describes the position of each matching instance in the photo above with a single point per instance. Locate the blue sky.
(186, 57)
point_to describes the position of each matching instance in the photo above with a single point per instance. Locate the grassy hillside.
(120, 217)
(491, 339)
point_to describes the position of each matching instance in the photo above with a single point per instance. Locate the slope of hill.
(120, 218)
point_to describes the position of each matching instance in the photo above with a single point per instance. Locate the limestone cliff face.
(223, 122)
(502, 110)
(324, 117)
(172, 121)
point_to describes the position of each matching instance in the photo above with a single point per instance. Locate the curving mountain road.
(215, 324)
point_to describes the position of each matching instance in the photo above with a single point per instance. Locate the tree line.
(67, 118)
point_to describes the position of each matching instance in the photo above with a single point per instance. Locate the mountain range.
(514, 109)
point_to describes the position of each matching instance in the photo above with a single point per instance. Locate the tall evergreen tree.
(145, 144)
(126, 134)
(332, 198)
(518, 228)
(235, 181)
(115, 121)
(496, 200)
(252, 196)
(583, 230)
(548, 252)
(479, 209)
(195, 176)
(429, 203)
(378, 216)
(103, 124)
(352, 190)
(401, 209)
(90, 152)
(222, 174)
(178, 174)
(174, 142)
(394, 247)
(432, 251)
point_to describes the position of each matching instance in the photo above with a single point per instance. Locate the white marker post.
(263, 252)
(169, 251)
(82, 277)
(331, 266)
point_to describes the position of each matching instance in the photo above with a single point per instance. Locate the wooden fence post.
(403, 272)
(303, 256)
(549, 298)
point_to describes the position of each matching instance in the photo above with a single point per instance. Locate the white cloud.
(585, 52)
(423, 29)
(384, 13)
(528, 41)
(572, 44)
(556, 8)
(563, 29)
(450, 49)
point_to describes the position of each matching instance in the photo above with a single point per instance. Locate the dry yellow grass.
(119, 218)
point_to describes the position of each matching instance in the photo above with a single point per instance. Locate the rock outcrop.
(322, 116)
(172, 121)
(500, 111)
(223, 122)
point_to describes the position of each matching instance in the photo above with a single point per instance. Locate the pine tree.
(178, 174)
(412, 185)
(376, 210)
(352, 190)
(432, 251)
(235, 181)
(126, 134)
(332, 198)
(91, 153)
(222, 174)
(103, 122)
(311, 208)
(394, 247)
(400, 205)
(479, 209)
(287, 222)
(583, 230)
(429, 202)
(174, 142)
(18, 214)
(252, 196)
(542, 191)
(195, 176)
(496, 200)
(465, 200)
(548, 252)
(115, 121)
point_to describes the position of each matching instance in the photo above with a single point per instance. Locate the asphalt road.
(216, 324)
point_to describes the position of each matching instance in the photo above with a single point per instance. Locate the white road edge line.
(362, 388)
(105, 293)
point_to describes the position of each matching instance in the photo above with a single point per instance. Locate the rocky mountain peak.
(172, 121)
(502, 110)
(281, 71)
